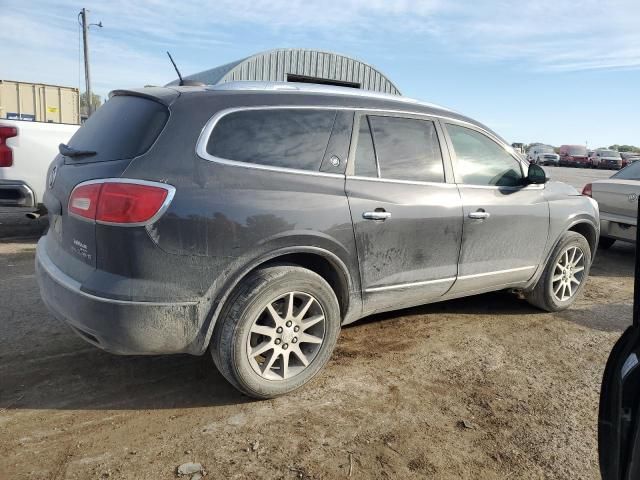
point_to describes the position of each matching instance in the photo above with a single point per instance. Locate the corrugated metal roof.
(275, 65)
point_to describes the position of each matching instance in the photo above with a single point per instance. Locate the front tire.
(564, 276)
(277, 330)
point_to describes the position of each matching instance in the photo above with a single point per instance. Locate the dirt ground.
(479, 388)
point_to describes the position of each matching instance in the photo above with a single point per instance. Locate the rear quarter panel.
(225, 217)
(618, 198)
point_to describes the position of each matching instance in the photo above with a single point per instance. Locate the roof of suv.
(326, 95)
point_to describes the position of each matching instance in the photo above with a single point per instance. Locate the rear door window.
(124, 127)
(290, 138)
(407, 149)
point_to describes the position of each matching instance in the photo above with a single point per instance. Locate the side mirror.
(536, 175)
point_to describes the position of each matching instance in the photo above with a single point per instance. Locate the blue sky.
(556, 71)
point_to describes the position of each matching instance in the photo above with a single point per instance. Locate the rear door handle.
(377, 215)
(479, 215)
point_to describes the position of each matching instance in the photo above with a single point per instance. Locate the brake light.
(6, 154)
(84, 200)
(587, 190)
(120, 202)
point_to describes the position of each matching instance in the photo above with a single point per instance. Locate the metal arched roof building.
(299, 65)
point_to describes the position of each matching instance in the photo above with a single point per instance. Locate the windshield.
(609, 153)
(632, 172)
(577, 150)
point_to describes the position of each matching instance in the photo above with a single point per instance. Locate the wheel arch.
(588, 231)
(323, 262)
(584, 227)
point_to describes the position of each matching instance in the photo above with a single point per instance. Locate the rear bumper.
(16, 194)
(617, 230)
(117, 326)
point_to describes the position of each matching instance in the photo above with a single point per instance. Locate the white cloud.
(41, 40)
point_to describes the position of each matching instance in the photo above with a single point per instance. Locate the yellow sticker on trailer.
(52, 109)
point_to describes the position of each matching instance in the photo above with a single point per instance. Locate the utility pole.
(85, 40)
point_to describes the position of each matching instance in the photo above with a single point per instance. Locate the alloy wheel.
(286, 336)
(568, 274)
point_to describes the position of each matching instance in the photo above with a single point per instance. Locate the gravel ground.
(484, 387)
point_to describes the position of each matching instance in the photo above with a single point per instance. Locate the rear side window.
(124, 127)
(407, 149)
(481, 161)
(290, 138)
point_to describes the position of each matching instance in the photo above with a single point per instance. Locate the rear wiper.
(68, 151)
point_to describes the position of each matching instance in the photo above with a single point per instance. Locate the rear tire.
(569, 263)
(265, 336)
(605, 243)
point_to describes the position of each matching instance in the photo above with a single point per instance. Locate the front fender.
(573, 212)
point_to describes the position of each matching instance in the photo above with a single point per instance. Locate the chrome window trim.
(405, 182)
(207, 129)
(532, 186)
(171, 191)
(408, 285)
(203, 140)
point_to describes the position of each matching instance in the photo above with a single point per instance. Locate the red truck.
(574, 156)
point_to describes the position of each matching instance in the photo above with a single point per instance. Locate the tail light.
(6, 154)
(120, 201)
(587, 190)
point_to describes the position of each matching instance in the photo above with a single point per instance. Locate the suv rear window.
(124, 127)
(290, 138)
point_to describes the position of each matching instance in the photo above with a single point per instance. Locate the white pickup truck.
(26, 150)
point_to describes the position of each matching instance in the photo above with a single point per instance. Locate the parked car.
(543, 155)
(629, 157)
(573, 156)
(26, 150)
(618, 201)
(605, 158)
(619, 412)
(253, 220)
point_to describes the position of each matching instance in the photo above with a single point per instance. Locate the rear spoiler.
(165, 96)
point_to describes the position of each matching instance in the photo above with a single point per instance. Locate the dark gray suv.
(255, 219)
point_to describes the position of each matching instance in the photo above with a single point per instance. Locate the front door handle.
(377, 215)
(479, 214)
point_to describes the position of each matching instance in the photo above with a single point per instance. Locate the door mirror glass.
(536, 175)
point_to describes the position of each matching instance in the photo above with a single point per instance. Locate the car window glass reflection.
(481, 161)
(407, 149)
(280, 137)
